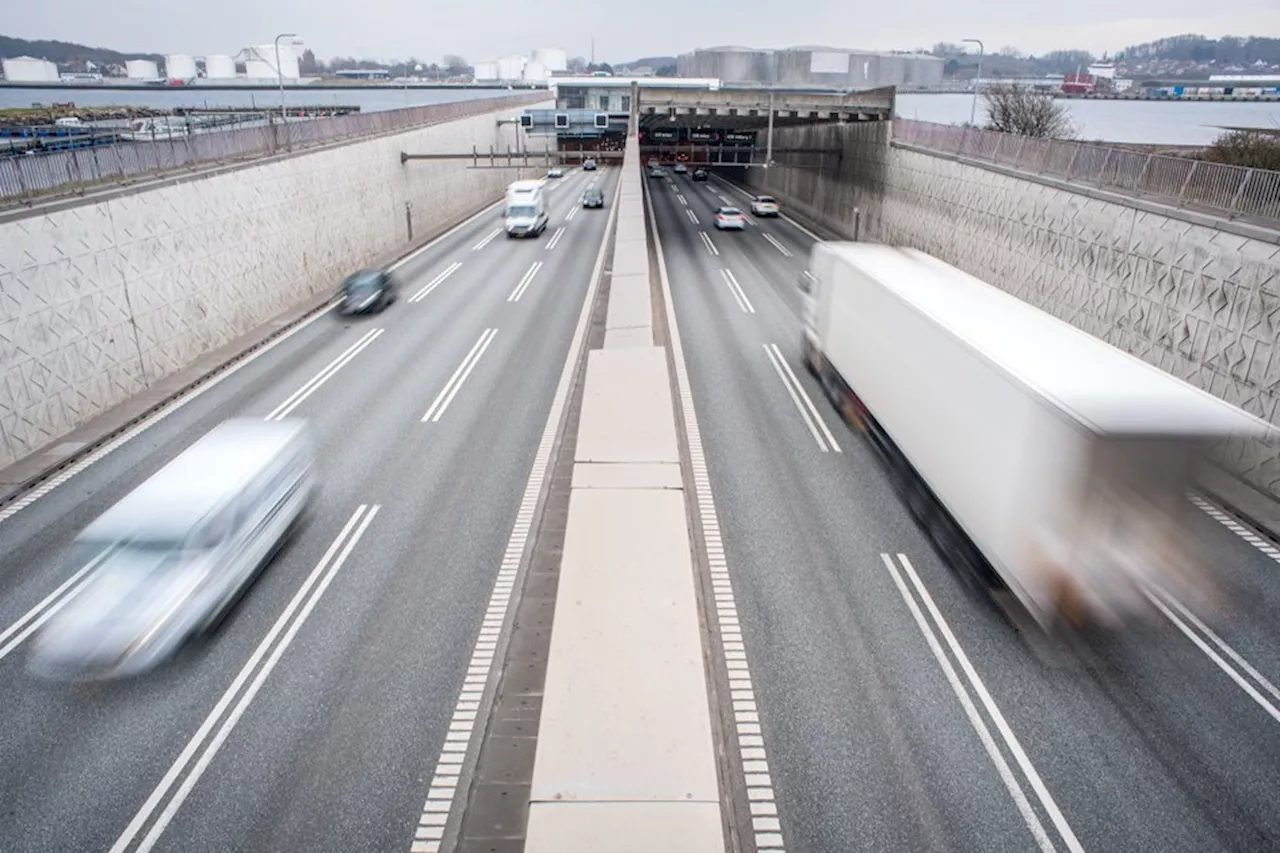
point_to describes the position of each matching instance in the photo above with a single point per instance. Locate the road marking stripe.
(572, 213)
(313, 384)
(44, 611)
(555, 238)
(796, 225)
(759, 787)
(434, 283)
(442, 792)
(1236, 527)
(803, 403)
(993, 712)
(682, 199)
(525, 282)
(693, 217)
(1164, 601)
(488, 238)
(450, 390)
(706, 241)
(739, 294)
(781, 248)
(328, 566)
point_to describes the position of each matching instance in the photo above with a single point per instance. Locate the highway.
(899, 710)
(314, 717)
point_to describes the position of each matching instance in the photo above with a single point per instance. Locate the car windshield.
(730, 211)
(362, 282)
(521, 212)
(764, 199)
(594, 194)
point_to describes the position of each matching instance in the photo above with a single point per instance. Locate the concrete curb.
(29, 472)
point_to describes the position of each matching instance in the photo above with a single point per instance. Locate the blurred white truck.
(1038, 458)
(525, 212)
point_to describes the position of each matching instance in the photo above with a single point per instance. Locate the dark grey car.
(366, 292)
(593, 197)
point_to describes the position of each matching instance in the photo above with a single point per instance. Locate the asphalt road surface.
(314, 717)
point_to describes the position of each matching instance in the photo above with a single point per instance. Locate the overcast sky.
(428, 29)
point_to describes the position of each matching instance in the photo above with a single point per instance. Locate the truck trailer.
(1041, 461)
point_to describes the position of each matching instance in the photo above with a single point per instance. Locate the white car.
(764, 205)
(730, 217)
(680, 169)
(555, 172)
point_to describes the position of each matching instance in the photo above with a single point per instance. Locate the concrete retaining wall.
(1198, 301)
(101, 300)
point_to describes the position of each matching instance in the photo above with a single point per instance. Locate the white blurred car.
(555, 172)
(765, 205)
(731, 218)
(681, 168)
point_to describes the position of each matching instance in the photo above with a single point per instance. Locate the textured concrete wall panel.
(1194, 300)
(99, 301)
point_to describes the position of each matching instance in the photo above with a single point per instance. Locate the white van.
(174, 555)
(525, 214)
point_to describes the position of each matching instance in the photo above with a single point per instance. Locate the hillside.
(65, 53)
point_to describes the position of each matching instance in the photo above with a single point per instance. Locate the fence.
(36, 177)
(1234, 191)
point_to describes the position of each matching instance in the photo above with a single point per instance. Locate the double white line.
(183, 775)
(295, 399)
(30, 622)
(804, 405)
(525, 282)
(739, 294)
(706, 241)
(434, 283)
(682, 199)
(781, 248)
(965, 690)
(573, 211)
(555, 238)
(487, 240)
(693, 217)
(450, 390)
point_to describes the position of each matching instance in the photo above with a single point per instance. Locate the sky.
(429, 29)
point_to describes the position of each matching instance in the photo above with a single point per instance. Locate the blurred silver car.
(174, 555)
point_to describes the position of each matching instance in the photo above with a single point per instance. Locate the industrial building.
(817, 67)
(25, 69)
(539, 67)
(142, 69)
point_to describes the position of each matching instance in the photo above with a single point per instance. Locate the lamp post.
(973, 110)
(280, 71)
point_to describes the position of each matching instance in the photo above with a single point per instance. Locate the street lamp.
(973, 110)
(280, 70)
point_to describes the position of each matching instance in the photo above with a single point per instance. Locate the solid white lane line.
(488, 238)
(450, 390)
(781, 248)
(808, 421)
(442, 793)
(1159, 599)
(766, 824)
(28, 498)
(434, 283)
(525, 282)
(313, 384)
(706, 241)
(738, 293)
(693, 217)
(808, 401)
(971, 711)
(555, 238)
(993, 711)
(31, 621)
(328, 566)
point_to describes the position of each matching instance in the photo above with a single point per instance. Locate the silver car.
(172, 557)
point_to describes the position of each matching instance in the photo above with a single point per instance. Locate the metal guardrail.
(25, 179)
(1236, 192)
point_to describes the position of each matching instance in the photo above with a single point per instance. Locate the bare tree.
(1017, 109)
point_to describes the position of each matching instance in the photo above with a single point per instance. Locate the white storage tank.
(142, 69)
(552, 58)
(485, 71)
(179, 66)
(219, 67)
(511, 68)
(260, 62)
(535, 72)
(26, 69)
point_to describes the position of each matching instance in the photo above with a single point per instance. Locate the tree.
(577, 65)
(455, 65)
(308, 66)
(1017, 109)
(1253, 149)
(666, 71)
(1010, 51)
(1067, 61)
